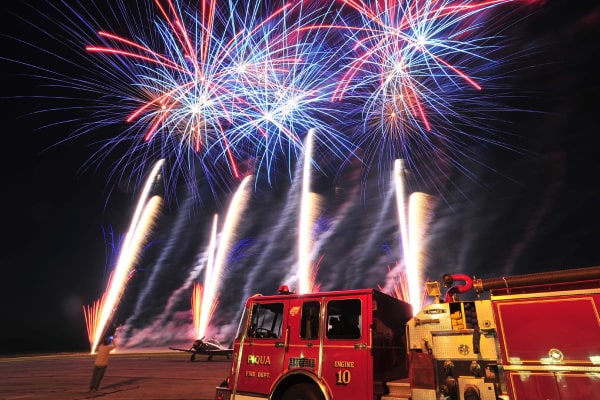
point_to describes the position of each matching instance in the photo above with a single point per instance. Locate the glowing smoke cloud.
(213, 278)
(308, 210)
(135, 240)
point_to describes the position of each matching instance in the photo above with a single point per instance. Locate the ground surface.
(147, 376)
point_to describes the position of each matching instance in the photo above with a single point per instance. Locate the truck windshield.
(266, 321)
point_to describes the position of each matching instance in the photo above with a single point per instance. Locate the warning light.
(283, 289)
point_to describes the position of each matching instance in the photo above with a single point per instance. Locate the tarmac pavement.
(129, 376)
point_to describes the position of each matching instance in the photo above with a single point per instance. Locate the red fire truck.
(535, 336)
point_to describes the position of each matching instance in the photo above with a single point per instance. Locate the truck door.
(347, 363)
(304, 321)
(261, 352)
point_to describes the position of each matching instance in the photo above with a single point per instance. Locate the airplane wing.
(186, 350)
(217, 352)
(210, 353)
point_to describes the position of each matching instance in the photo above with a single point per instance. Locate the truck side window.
(309, 326)
(344, 319)
(266, 321)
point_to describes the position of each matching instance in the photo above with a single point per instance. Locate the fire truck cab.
(320, 346)
(537, 336)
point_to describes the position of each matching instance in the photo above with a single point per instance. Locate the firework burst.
(216, 89)
(421, 77)
(221, 89)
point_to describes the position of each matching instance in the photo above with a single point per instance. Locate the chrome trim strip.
(551, 368)
(545, 294)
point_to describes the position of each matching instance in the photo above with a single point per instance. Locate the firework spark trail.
(202, 310)
(263, 274)
(91, 315)
(92, 312)
(197, 310)
(212, 283)
(420, 210)
(155, 174)
(412, 277)
(413, 222)
(129, 255)
(196, 301)
(141, 222)
(309, 205)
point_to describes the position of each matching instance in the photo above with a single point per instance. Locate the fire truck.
(526, 337)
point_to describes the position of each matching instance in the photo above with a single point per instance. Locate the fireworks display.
(218, 89)
(226, 92)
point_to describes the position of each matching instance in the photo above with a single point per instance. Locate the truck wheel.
(303, 391)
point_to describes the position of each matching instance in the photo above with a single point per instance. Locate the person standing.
(101, 362)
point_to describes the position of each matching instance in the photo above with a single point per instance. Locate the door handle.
(287, 338)
(360, 346)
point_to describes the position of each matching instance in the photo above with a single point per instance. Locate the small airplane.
(209, 347)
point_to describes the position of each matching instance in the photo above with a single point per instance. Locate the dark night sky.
(534, 213)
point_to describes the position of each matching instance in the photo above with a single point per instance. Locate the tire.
(303, 391)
